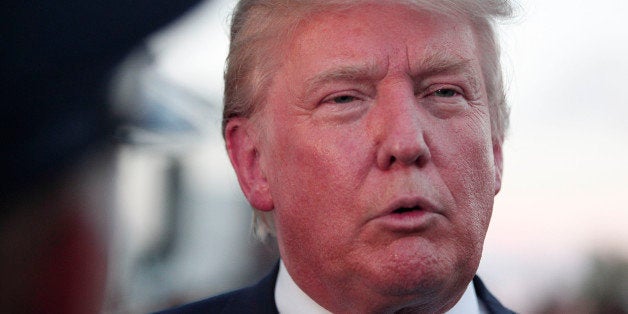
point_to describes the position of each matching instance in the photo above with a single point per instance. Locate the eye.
(343, 99)
(446, 92)
(342, 106)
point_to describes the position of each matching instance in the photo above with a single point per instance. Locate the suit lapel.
(259, 299)
(492, 305)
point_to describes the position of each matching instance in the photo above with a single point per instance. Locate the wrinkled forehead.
(349, 42)
(333, 18)
(403, 23)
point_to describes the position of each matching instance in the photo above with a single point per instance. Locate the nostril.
(419, 160)
(395, 151)
(422, 160)
(392, 160)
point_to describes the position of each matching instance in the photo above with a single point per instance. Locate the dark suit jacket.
(260, 299)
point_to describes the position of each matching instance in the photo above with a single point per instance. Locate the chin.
(420, 287)
(436, 273)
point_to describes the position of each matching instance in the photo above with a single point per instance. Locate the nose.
(402, 140)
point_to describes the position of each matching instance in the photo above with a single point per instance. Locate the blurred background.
(558, 241)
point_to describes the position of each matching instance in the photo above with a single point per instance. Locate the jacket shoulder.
(492, 305)
(259, 298)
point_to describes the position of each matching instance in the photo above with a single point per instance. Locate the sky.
(566, 158)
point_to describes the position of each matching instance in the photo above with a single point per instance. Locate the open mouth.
(404, 210)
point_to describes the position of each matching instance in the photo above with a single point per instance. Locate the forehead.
(380, 36)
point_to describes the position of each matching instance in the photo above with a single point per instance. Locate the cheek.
(319, 160)
(315, 178)
(464, 160)
(466, 163)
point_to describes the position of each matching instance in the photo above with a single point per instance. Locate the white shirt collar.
(290, 299)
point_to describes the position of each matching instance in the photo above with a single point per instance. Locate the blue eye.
(445, 92)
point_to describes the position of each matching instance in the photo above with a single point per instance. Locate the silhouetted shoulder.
(492, 305)
(259, 298)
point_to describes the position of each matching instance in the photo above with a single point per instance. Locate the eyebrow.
(434, 64)
(349, 73)
(441, 63)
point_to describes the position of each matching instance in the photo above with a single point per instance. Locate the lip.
(408, 215)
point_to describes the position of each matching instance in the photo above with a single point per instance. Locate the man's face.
(376, 149)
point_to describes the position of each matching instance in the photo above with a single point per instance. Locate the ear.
(245, 158)
(498, 159)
